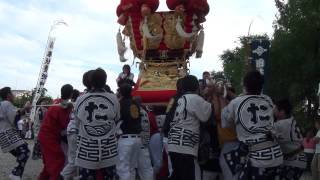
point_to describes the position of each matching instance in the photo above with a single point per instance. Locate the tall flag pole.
(43, 74)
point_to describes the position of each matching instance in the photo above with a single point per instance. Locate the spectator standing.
(309, 147)
(20, 128)
(315, 164)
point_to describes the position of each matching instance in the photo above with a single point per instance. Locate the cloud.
(86, 44)
(226, 22)
(89, 41)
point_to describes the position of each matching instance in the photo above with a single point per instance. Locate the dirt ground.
(33, 167)
(7, 162)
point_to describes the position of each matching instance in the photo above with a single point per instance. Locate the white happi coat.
(144, 167)
(125, 76)
(9, 138)
(184, 131)
(72, 127)
(145, 128)
(96, 115)
(253, 117)
(290, 139)
(160, 121)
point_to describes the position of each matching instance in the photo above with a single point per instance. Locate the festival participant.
(309, 147)
(209, 150)
(40, 114)
(148, 128)
(75, 95)
(108, 89)
(228, 141)
(69, 170)
(160, 115)
(96, 114)
(125, 76)
(11, 141)
(87, 80)
(252, 115)
(206, 79)
(290, 139)
(315, 164)
(183, 138)
(50, 135)
(171, 108)
(166, 169)
(129, 143)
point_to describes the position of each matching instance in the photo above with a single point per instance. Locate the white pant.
(227, 147)
(145, 169)
(156, 151)
(208, 175)
(197, 170)
(70, 169)
(128, 149)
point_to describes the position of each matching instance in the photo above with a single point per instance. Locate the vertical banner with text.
(259, 54)
(41, 81)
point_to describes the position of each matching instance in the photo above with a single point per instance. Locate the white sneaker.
(14, 177)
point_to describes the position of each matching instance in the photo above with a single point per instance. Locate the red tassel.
(152, 4)
(172, 4)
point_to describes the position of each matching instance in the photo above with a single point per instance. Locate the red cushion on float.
(161, 96)
(153, 96)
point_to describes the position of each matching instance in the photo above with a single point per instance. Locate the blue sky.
(90, 39)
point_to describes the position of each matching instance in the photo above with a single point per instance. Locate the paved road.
(7, 162)
(33, 168)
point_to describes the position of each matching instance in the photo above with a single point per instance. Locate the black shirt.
(170, 114)
(130, 116)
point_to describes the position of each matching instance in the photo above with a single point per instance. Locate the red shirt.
(309, 144)
(153, 123)
(55, 121)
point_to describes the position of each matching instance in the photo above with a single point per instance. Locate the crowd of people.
(205, 132)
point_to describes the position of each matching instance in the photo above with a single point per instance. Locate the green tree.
(218, 75)
(21, 100)
(235, 61)
(294, 67)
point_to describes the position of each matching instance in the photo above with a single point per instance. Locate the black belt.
(262, 145)
(130, 136)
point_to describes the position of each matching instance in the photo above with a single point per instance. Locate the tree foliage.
(293, 69)
(235, 61)
(21, 100)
